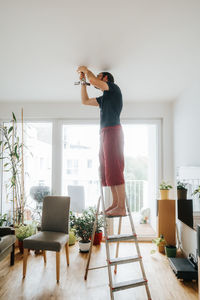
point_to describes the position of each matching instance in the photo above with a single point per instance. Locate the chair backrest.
(77, 198)
(55, 214)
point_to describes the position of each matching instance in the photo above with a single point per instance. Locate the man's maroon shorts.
(111, 155)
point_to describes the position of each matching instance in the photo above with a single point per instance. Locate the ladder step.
(124, 260)
(121, 237)
(116, 216)
(128, 284)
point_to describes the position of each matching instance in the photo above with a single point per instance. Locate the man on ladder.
(111, 140)
(111, 169)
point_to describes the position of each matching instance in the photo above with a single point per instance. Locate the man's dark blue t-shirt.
(110, 106)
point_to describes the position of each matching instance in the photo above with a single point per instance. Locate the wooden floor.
(40, 282)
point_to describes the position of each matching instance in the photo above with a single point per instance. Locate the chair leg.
(25, 256)
(58, 266)
(45, 257)
(67, 252)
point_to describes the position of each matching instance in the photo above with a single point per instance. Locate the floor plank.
(40, 282)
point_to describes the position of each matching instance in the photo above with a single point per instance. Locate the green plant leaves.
(10, 129)
(14, 118)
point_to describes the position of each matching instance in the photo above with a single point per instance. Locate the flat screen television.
(185, 211)
(189, 210)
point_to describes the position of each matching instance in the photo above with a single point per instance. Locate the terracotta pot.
(98, 238)
(164, 194)
(21, 247)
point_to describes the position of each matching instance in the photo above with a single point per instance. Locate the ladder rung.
(124, 260)
(121, 237)
(128, 284)
(116, 216)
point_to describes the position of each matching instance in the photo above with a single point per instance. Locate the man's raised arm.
(95, 81)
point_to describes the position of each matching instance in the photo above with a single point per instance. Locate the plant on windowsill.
(181, 190)
(170, 250)
(164, 190)
(22, 232)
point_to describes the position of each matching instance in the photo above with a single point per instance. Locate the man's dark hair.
(109, 76)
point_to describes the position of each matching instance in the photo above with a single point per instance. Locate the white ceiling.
(152, 47)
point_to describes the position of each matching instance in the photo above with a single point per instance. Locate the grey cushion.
(55, 214)
(46, 240)
(6, 242)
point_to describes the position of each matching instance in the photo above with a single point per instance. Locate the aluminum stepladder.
(114, 287)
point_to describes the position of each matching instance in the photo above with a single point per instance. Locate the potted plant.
(22, 232)
(181, 190)
(99, 225)
(170, 250)
(72, 230)
(11, 143)
(197, 191)
(164, 190)
(83, 226)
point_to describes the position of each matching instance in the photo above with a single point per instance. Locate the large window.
(38, 166)
(80, 163)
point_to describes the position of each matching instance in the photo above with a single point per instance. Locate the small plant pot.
(21, 246)
(84, 247)
(97, 238)
(170, 251)
(72, 237)
(164, 194)
(182, 194)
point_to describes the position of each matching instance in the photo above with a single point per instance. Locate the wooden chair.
(54, 232)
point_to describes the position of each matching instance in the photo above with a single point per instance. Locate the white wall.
(187, 147)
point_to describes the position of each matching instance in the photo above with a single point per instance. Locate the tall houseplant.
(11, 144)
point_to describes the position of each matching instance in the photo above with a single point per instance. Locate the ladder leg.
(107, 246)
(117, 247)
(137, 248)
(92, 239)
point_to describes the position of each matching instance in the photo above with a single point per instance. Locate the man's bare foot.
(117, 211)
(110, 207)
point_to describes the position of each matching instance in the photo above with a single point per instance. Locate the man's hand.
(82, 69)
(82, 76)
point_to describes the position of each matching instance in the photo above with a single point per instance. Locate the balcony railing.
(135, 191)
